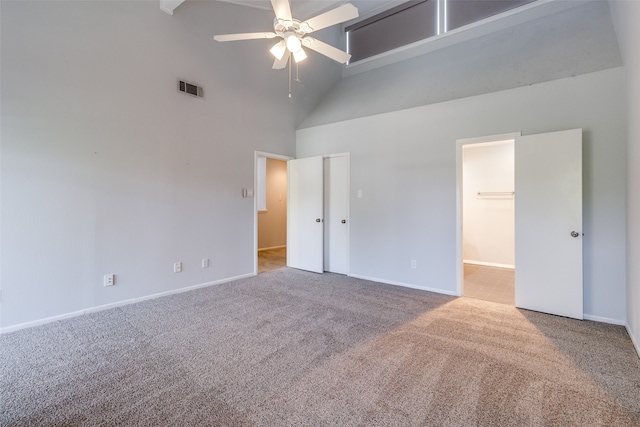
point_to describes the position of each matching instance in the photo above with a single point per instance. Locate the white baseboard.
(603, 319)
(488, 264)
(633, 339)
(95, 309)
(272, 247)
(406, 285)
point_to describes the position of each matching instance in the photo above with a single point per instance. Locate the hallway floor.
(272, 259)
(489, 283)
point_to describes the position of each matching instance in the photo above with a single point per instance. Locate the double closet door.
(318, 210)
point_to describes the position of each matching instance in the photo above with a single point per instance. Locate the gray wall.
(626, 16)
(106, 168)
(405, 164)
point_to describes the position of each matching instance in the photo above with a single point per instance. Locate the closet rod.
(496, 193)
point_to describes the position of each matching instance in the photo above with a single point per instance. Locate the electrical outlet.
(205, 262)
(109, 279)
(177, 267)
(414, 264)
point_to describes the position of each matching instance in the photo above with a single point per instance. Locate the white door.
(548, 222)
(336, 212)
(304, 214)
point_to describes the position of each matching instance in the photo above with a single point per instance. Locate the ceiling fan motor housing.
(282, 26)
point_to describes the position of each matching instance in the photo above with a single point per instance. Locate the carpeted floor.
(290, 348)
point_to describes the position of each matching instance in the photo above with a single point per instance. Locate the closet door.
(336, 213)
(305, 214)
(548, 222)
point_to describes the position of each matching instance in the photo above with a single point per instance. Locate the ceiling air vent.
(190, 89)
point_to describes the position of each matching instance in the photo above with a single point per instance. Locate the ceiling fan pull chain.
(290, 59)
(297, 78)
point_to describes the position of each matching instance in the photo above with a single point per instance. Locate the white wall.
(404, 163)
(106, 168)
(626, 15)
(488, 220)
(272, 224)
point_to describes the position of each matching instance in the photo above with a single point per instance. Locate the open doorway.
(271, 212)
(488, 216)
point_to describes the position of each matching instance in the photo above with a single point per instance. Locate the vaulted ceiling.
(301, 8)
(548, 40)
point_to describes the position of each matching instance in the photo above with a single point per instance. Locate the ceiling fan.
(293, 34)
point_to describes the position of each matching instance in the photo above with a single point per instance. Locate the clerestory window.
(418, 20)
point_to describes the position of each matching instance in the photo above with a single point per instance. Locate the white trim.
(633, 339)
(603, 319)
(98, 308)
(502, 138)
(406, 285)
(168, 6)
(459, 143)
(272, 247)
(487, 264)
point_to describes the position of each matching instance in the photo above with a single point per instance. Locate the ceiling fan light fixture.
(279, 49)
(300, 55)
(293, 43)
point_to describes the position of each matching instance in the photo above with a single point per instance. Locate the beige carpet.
(292, 348)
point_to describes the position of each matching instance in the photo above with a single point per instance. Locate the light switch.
(359, 194)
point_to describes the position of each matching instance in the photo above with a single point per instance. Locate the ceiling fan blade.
(279, 64)
(326, 49)
(282, 9)
(333, 17)
(243, 36)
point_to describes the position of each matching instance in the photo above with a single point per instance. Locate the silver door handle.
(574, 234)
(318, 220)
(344, 221)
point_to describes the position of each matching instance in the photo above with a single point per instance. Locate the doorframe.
(267, 155)
(459, 234)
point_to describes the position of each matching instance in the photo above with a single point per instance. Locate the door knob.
(318, 220)
(574, 234)
(344, 221)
